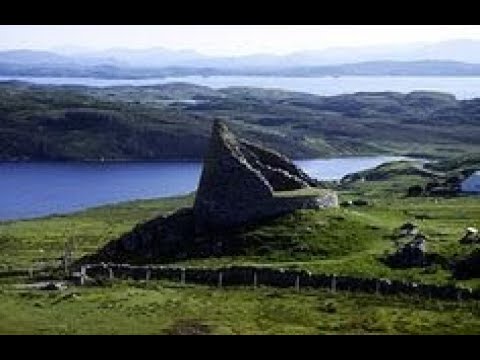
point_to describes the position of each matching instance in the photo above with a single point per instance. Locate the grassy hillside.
(347, 240)
(30, 242)
(350, 240)
(459, 164)
(173, 122)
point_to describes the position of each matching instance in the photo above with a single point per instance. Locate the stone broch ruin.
(243, 182)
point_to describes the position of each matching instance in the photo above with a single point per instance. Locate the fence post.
(148, 274)
(83, 274)
(110, 273)
(220, 279)
(334, 283)
(297, 283)
(182, 276)
(254, 279)
(65, 265)
(30, 272)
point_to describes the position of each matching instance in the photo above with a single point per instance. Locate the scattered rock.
(51, 286)
(408, 229)
(189, 327)
(411, 254)
(468, 267)
(360, 202)
(471, 236)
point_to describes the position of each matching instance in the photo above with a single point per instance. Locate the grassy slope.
(457, 164)
(344, 241)
(68, 122)
(27, 242)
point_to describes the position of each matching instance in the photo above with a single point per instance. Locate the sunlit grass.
(170, 308)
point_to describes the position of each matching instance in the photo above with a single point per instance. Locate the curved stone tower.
(243, 182)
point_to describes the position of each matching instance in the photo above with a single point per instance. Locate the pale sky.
(228, 40)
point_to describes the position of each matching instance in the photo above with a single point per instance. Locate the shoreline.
(94, 207)
(68, 212)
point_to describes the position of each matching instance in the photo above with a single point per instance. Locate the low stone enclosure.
(282, 278)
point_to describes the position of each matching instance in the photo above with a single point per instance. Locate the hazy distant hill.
(154, 57)
(173, 122)
(459, 57)
(467, 51)
(33, 57)
(113, 70)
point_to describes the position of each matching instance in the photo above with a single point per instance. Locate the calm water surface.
(37, 189)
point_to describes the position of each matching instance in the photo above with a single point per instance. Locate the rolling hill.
(172, 121)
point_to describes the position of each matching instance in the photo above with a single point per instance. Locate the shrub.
(415, 191)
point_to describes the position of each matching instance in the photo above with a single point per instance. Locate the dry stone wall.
(256, 276)
(239, 180)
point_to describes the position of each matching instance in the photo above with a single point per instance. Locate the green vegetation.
(169, 308)
(301, 192)
(391, 171)
(348, 240)
(29, 242)
(458, 164)
(39, 122)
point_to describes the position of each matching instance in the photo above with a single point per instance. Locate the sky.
(226, 40)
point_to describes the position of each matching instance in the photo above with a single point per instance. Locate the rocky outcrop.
(239, 182)
(467, 266)
(411, 254)
(471, 236)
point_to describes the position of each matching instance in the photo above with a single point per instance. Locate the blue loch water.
(36, 189)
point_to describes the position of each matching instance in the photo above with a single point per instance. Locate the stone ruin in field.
(243, 182)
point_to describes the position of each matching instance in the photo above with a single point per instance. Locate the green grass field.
(30, 242)
(169, 308)
(301, 192)
(348, 240)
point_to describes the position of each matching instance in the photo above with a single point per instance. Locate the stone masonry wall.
(238, 183)
(255, 276)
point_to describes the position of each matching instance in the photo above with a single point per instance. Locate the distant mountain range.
(454, 50)
(458, 57)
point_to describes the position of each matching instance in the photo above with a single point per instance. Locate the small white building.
(472, 183)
